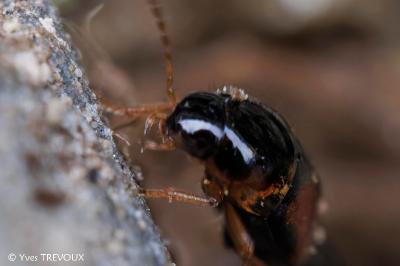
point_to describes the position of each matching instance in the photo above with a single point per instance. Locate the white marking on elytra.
(191, 126)
(245, 150)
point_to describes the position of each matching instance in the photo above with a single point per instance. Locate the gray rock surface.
(64, 187)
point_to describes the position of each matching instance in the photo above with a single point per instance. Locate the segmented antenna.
(156, 10)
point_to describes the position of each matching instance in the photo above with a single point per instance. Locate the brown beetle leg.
(168, 144)
(171, 194)
(241, 239)
(236, 230)
(124, 140)
(153, 119)
(166, 43)
(141, 110)
(155, 116)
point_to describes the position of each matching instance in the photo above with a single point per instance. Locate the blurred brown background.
(330, 67)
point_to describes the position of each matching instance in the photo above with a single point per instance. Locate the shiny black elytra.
(254, 164)
(256, 172)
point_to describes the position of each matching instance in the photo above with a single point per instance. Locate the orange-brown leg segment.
(155, 116)
(153, 119)
(137, 111)
(168, 144)
(162, 107)
(155, 111)
(124, 140)
(172, 194)
(241, 239)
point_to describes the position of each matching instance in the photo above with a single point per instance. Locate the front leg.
(137, 111)
(241, 240)
(155, 116)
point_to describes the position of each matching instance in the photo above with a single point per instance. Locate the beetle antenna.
(156, 10)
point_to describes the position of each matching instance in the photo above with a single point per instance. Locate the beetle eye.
(200, 144)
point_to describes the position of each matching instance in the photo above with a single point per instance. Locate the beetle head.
(197, 124)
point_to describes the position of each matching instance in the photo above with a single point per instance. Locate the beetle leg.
(172, 194)
(155, 116)
(120, 137)
(140, 110)
(167, 144)
(236, 230)
(153, 119)
(241, 239)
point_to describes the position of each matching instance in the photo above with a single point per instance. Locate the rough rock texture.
(64, 188)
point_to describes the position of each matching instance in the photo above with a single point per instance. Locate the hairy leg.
(140, 110)
(172, 194)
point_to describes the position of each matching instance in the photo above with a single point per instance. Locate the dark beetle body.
(255, 169)
(253, 162)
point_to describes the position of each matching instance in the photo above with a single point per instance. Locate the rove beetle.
(256, 171)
